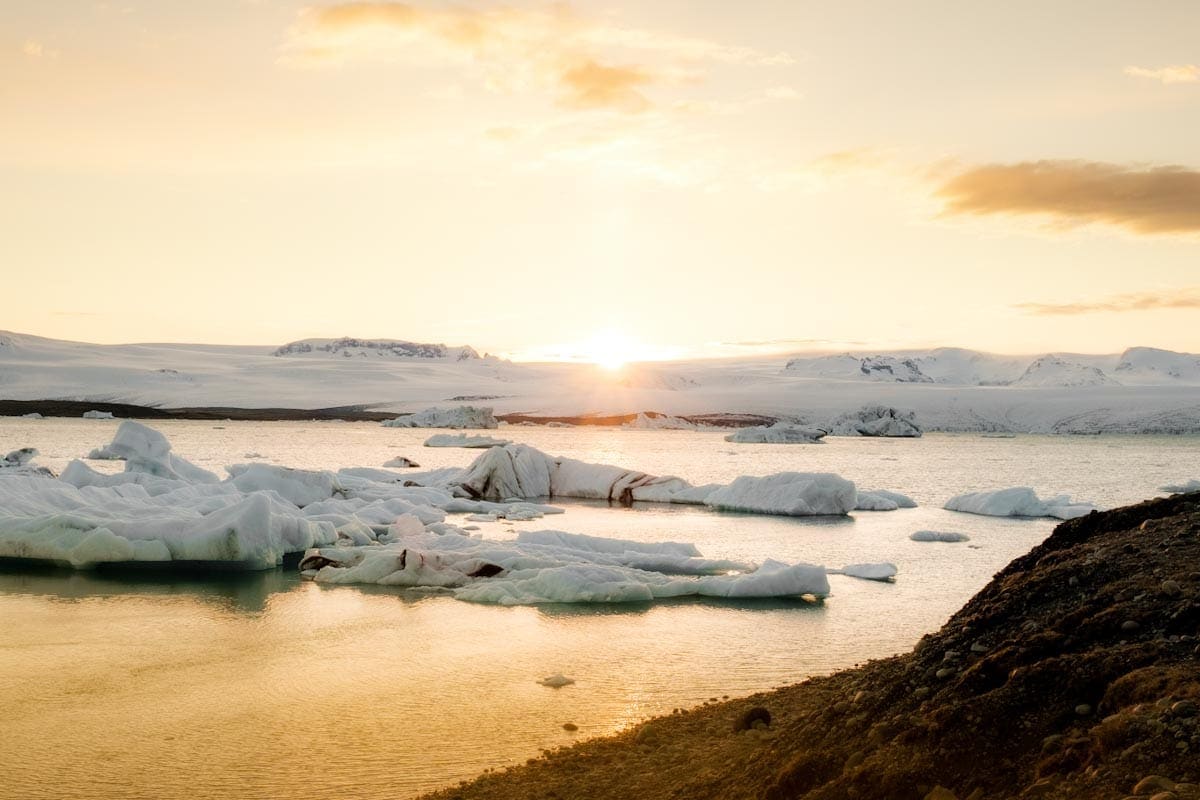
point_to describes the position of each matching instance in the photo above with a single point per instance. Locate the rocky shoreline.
(1075, 673)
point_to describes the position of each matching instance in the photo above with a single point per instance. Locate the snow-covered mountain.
(951, 389)
(1057, 371)
(372, 348)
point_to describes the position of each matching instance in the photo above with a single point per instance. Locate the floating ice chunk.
(1019, 501)
(779, 433)
(19, 457)
(491, 517)
(400, 461)
(512, 471)
(299, 486)
(554, 567)
(147, 451)
(882, 571)
(1187, 487)
(462, 440)
(939, 536)
(32, 415)
(93, 414)
(876, 421)
(882, 500)
(787, 493)
(458, 417)
(556, 681)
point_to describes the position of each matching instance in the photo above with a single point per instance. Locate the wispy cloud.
(589, 64)
(1175, 73)
(1136, 301)
(1145, 200)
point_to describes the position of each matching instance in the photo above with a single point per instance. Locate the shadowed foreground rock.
(1074, 674)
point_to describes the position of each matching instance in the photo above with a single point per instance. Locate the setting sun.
(611, 350)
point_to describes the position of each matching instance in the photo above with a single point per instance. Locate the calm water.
(265, 686)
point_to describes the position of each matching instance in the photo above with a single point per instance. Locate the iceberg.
(877, 421)
(882, 500)
(938, 536)
(19, 457)
(787, 493)
(93, 414)
(147, 451)
(458, 417)
(554, 567)
(400, 461)
(882, 571)
(1019, 501)
(1185, 487)
(462, 440)
(779, 433)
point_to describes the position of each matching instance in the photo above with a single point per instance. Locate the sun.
(610, 349)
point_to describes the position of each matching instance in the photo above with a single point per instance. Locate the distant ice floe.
(462, 440)
(660, 422)
(877, 421)
(1187, 487)
(364, 525)
(556, 681)
(97, 414)
(553, 567)
(882, 500)
(400, 461)
(939, 536)
(779, 433)
(32, 415)
(883, 571)
(457, 417)
(1020, 501)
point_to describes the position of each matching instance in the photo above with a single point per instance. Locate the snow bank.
(779, 433)
(1020, 501)
(877, 421)
(882, 500)
(938, 536)
(553, 567)
(787, 493)
(458, 417)
(462, 440)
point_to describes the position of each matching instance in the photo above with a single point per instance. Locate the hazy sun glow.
(612, 349)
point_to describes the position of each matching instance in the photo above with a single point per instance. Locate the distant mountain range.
(1138, 366)
(1143, 390)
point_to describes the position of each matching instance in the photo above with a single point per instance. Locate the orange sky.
(688, 177)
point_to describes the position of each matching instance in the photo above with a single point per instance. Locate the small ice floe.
(1186, 487)
(32, 415)
(93, 414)
(1020, 501)
(462, 440)
(882, 571)
(556, 681)
(882, 500)
(779, 433)
(458, 417)
(19, 458)
(938, 536)
(787, 493)
(400, 461)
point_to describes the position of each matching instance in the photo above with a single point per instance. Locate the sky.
(667, 179)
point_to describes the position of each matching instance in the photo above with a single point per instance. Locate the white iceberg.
(882, 571)
(779, 433)
(787, 493)
(553, 567)
(458, 417)
(1019, 501)
(877, 421)
(939, 536)
(147, 451)
(93, 414)
(882, 500)
(462, 440)
(19, 457)
(400, 461)
(32, 415)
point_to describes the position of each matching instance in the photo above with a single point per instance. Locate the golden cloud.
(1147, 200)
(1140, 301)
(1178, 73)
(515, 49)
